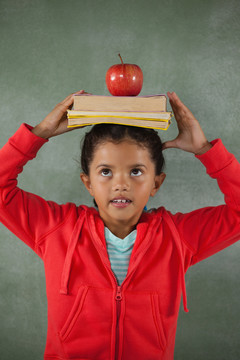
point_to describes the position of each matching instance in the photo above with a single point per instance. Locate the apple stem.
(120, 58)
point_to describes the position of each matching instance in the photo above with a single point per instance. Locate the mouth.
(121, 202)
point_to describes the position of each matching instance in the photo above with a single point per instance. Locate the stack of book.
(143, 111)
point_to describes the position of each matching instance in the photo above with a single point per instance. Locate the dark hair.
(100, 133)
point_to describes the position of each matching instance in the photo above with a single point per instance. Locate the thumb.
(169, 144)
(61, 108)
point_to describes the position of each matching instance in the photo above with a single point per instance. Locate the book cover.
(148, 103)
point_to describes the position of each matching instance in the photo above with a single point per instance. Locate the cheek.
(100, 185)
(144, 185)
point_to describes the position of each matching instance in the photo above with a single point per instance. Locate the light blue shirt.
(119, 252)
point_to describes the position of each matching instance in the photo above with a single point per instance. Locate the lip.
(120, 202)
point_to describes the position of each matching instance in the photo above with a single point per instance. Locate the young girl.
(115, 274)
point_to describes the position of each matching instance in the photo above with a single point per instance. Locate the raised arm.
(208, 230)
(191, 137)
(27, 215)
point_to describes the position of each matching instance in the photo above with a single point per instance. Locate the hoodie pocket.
(158, 321)
(74, 313)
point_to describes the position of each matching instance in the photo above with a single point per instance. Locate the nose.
(121, 183)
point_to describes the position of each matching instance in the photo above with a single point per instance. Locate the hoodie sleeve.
(27, 215)
(209, 230)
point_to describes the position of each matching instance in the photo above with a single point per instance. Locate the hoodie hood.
(178, 244)
(70, 251)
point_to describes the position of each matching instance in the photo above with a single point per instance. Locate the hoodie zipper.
(118, 296)
(118, 312)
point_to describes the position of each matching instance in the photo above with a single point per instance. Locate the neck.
(120, 230)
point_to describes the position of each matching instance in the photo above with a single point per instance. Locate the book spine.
(137, 116)
(116, 103)
(117, 117)
(143, 126)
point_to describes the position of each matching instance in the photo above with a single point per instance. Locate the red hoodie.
(89, 316)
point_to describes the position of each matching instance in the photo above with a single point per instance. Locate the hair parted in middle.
(100, 133)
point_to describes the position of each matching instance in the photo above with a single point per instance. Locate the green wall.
(50, 48)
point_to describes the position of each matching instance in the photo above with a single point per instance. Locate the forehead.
(126, 150)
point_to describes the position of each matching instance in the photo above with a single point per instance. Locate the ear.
(159, 179)
(86, 181)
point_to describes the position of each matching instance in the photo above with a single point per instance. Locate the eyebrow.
(112, 166)
(138, 165)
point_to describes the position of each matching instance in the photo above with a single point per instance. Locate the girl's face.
(121, 179)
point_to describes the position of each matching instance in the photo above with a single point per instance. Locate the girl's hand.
(55, 123)
(191, 137)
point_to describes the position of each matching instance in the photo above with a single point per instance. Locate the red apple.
(124, 79)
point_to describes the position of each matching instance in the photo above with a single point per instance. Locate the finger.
(180, 110)
(174, 108)
(169, 144)
(71, 96)
(61, 108)
(175, 99)
(172, 102)
(177, 104)
(82, 92)
(178, 113)
(79, 92)
(67, 102)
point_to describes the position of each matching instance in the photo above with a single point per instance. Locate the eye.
(136, 172)
(106, 172)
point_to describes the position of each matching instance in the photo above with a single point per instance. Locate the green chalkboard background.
(50, 48)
